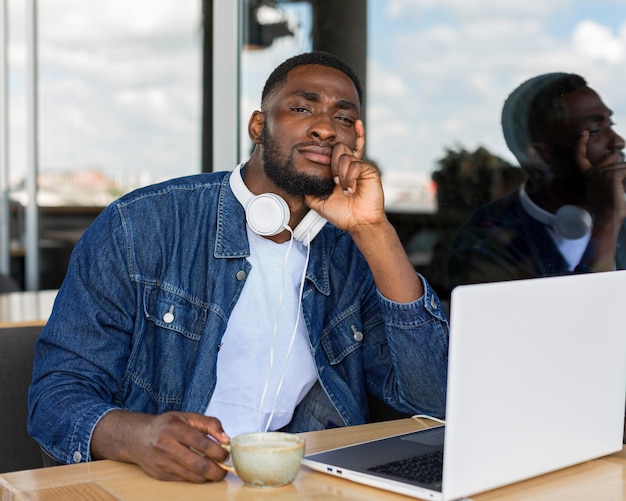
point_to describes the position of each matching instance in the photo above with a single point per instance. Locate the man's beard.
(284, 175)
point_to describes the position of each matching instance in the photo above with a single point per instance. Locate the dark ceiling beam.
(206, 142)
(340, 27)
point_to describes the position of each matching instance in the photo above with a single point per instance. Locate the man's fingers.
(359, 149)
(208, 426)
(194, 437)
(192, 468)
(199, 468)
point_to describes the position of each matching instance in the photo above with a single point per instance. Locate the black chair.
(18, 451)
(380, 411)
(7, 284)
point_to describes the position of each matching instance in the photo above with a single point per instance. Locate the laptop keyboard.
(426, 468)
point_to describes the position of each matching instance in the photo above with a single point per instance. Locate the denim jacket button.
(356, 334)
(433, 303)
(77, 457)
(168, 318)
(240, 275)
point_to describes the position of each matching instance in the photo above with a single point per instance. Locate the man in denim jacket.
(128, 366)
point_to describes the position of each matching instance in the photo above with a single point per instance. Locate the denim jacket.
(139, 318)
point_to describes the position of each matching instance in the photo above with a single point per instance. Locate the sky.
(119, 86)
(440, 70)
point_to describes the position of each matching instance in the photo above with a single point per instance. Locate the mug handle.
(225, 466)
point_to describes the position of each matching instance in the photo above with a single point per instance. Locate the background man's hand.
(605, 183)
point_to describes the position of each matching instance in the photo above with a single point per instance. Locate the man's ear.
(538, 164)
(540, 155)
(255, 126)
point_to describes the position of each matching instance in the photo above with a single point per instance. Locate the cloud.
(467, 10)
(385, 83)
(116, 22)
(598, 42)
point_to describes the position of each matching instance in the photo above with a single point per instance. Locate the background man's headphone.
(570, 221)
(268, 214)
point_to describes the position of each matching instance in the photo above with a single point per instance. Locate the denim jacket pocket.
(342, 339)
(175, 312)
(173, 328)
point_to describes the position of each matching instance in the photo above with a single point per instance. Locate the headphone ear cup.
(309, 227)
(572, 222)
(267, 214)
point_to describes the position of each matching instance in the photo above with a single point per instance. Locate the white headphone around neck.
(268, 214)
(570, 221)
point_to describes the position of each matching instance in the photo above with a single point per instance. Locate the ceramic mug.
(265, 459)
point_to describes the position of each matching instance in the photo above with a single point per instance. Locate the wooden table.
(23, 309)
(597, 480)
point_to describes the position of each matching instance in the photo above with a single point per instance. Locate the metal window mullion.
(31, 236)
(5, 216)
(226, 30)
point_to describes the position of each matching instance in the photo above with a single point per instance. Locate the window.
(119, 93)
(119, 96)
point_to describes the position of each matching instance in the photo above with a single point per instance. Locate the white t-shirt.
(572, 250)
(243, 362)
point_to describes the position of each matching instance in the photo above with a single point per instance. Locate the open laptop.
(536, 382)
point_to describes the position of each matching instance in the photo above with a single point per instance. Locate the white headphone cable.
(295, 330)
(275, 329)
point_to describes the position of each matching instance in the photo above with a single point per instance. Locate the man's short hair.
(533, 108)
(279, 75)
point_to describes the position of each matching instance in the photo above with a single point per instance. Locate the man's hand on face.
(605, 182)
(358, 196)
